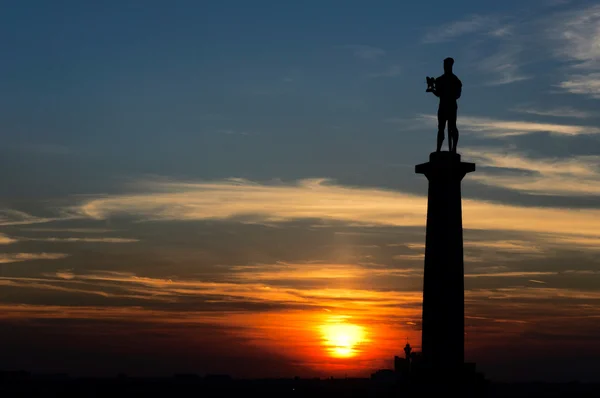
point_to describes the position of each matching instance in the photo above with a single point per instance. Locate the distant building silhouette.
(384, 375)
(217, 378)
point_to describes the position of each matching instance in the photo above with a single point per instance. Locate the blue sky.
(228, 89)
(169, 140)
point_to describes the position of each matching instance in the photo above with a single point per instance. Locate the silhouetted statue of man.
(448, 88)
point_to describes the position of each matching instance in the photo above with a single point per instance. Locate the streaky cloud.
(509, 274)
(450, 31)
(10, 217)
(246, 201)
(365, 52)
(245, 288)
(583, 84)
(574, 176)
(84, 240)
(504, 66)
(6, 240)
(71, 230)
(495, 128)
(533, 293)
(576, 34)
(6, 258)
(554, 112)
(511, 246)
(537, 281)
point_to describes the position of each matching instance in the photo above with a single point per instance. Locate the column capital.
(444, 163)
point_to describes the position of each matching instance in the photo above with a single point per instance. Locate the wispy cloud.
(470, 24)
(290, 271)
(6, 240)
(320, 199)
(311, 198)
(75, 287)
(503, 66)
(16, 217)
(512, 246)
(312, 272)
(575, 176)
(589, 243)
(19, 257)
(576, 34)
(502, 31)
(409, 257)
(71, 230)
(565, 111)
(581, 272)
(243, 286)
(365, 52)
(509, 274)
(85, 240)
(533, 293)
(583, 84)
(495, 128)
(392, 71)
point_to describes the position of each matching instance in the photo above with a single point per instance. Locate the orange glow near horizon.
(329, 342)
(342, 340)
(335, 331)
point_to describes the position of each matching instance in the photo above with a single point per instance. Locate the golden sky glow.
(345, 305)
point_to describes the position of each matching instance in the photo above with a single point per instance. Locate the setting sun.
(341, 339)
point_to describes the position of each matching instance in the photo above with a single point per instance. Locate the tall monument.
(443, 283)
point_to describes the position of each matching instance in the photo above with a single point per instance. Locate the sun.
(342, 339)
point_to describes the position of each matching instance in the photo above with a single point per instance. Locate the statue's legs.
(452, 130)
(441, 127)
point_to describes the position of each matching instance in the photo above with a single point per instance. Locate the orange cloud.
(18, 257)
(86, 240)
(318, 198)
(578, 175)
(6, 240)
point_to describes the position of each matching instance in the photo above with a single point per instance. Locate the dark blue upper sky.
(261, 90)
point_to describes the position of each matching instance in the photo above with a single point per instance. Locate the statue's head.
(448, 63)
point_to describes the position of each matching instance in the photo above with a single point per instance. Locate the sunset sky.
(229, 186)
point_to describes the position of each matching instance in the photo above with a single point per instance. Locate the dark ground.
(15, 384)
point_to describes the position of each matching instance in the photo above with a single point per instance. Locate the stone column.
(443, 282)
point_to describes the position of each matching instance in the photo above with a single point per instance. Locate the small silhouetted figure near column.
(448, 88)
